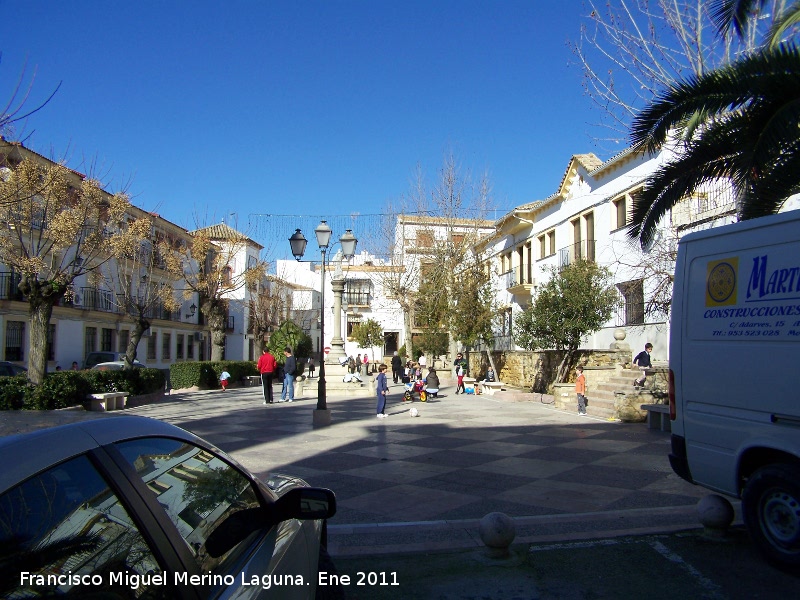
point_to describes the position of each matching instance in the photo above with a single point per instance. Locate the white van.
(734, 362)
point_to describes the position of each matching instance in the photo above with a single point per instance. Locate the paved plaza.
(423, 483)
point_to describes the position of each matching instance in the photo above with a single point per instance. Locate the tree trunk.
(139, 327)
(42, 295)
(491, 364)
(562, 373)
(216, 316)
(37, 340)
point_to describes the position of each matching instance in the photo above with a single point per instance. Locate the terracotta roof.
(221, 231)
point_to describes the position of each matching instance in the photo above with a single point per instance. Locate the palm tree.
(739, 122)
(740, 14)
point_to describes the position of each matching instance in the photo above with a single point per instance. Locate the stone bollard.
(716, 515)
(497, 531)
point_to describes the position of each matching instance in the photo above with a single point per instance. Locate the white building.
(586, 218)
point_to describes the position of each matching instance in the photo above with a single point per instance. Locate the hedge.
(205, 374)
(70, 388)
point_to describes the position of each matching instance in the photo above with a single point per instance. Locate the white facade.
(586, 218)
(363, 298)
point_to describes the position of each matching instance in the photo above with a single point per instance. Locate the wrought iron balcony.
(9, 286)
(585, 249)
(96, 299)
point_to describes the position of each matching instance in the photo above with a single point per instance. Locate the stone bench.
(108, 401)
(490, 387)
(658, 416)
(251, 380)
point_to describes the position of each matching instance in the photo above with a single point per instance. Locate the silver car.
(131, 507)
(116, 365)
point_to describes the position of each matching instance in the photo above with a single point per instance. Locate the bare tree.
(430, 249)
(629, 50)
(209, 268)
(142, 287)
(269, 308)
(58, 225)
(16, 110)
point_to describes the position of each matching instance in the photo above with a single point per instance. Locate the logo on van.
(721, 281)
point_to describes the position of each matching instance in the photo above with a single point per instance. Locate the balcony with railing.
(9, 286)
(583, 250)
(703, 206)
(519, 281)
(96, 299)
(357, 298)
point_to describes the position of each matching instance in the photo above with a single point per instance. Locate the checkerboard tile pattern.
(463, 457)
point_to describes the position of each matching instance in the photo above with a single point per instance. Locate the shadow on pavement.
(683, 565)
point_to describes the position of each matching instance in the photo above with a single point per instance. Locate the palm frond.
(736, 14)
(789, 19)
(766, 74)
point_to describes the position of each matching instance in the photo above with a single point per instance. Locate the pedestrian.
(460, 365)
(311, 368)
(382, 388)
(358, 364)
(642, 361)
(397, 367)
(351, 365)
(365, 362)
(490, 374)
(580, 389)
(289, 370)
(75, 365)
(266, 366)
(432, 383)
(223, 380)
(423, 362)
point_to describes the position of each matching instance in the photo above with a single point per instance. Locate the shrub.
(206, 374)
(13, 391)
(71, 388)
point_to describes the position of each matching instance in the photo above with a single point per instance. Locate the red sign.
(327, 349)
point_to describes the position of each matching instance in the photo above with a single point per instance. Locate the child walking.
(223, 380)
(382, 387)
(580, 390)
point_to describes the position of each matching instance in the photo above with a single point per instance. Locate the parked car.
(10, 369)
(94, 358)
(116, 365)
(134, 507)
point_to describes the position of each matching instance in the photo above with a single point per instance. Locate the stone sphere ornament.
(715, 514)
(497, 531)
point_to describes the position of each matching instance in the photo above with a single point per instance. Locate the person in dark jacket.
(642, 361)
(382, 389)
(432, 383)
(289, 370)
(397, 367)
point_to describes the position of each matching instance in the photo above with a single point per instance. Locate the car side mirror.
(297, 503)
(306, 503)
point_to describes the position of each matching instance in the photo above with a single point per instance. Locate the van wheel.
(771, 510)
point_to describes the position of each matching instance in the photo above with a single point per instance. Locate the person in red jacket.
(266, 366)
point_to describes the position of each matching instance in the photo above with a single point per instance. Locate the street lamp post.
(322, 414)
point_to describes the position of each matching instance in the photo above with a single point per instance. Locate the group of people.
(412, 375)
(358, 364)
(268, 367)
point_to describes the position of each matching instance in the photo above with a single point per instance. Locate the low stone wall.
(538, 370)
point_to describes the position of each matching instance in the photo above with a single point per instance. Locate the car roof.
(26, 454)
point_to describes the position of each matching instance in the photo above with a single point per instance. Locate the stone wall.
(538, 370)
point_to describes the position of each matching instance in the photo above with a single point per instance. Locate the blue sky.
(300, 108)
